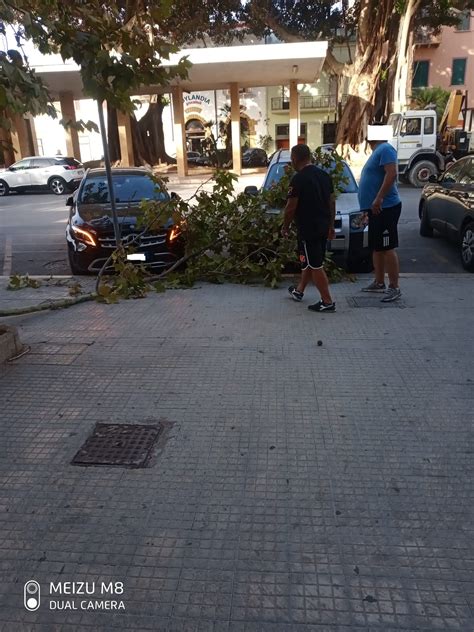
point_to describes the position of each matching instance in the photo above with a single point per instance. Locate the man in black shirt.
(312, 205)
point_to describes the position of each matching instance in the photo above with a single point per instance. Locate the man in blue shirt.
(379, 198)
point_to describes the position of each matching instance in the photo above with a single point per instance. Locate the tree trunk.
(147, 136)
(370, 70)
(404, 57)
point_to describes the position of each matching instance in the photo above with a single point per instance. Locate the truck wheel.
(420, 173)
(425, 228)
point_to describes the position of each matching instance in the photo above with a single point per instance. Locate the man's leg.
(392, 266)
(378, 258)
(321, 281)
(304, 280)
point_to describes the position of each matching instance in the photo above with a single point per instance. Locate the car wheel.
(467, 247)
(4, 188)
(425, 228)
(57, 185)
(75, 268)
(420, 173)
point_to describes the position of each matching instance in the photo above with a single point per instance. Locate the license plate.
(138, 256)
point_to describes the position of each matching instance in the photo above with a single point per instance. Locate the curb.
(10, 344)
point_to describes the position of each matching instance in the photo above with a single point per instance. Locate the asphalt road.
(32, 235)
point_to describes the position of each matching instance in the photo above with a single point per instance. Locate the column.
(235, 127)
(294, 114)
(125, 139)
(66, 101)
(19, 137)
(179, 131)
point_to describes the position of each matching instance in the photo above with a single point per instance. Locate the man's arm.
(389, 179)
(290, 210)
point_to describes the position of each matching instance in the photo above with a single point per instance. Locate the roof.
(212, 68)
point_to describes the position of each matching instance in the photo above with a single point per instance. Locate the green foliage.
(435, 97)
(228, 237)
(19, 282)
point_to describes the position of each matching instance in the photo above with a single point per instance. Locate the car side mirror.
(251, 190)
(69, 201)
(433, 178)
(11, 169)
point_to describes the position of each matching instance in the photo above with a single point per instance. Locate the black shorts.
(383, 228)
(312, 252)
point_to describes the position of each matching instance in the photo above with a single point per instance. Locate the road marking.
(7, 259)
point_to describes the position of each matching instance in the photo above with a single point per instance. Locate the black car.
(255, 157)
(90, 231)
(447, 205)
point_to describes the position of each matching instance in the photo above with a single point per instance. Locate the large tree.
(379, 71)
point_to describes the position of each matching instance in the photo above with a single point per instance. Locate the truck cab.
(415, 140)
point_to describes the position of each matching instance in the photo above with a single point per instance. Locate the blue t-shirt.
(372, 177)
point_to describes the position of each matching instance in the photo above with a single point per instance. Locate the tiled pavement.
(297, 487)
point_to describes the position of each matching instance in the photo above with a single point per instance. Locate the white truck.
(423, 149)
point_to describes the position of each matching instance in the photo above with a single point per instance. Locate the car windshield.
(277, 171)
(127, 188)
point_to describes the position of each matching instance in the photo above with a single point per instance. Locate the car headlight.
(84, 235)
(358, 221)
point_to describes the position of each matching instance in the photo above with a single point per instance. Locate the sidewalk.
(295, 486)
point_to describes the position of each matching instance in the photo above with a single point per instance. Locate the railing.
(424, 36)
(322, 102)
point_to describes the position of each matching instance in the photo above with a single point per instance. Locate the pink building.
(447, 59)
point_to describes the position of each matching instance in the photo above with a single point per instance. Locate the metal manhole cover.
(124, 445)
(373, 301)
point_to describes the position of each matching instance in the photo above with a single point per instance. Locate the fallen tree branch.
(60, 304)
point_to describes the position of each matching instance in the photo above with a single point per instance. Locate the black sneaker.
(322, 307)
(295, 295)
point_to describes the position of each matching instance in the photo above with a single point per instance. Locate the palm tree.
(430, 98)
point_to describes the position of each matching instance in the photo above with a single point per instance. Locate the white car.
(56, 173)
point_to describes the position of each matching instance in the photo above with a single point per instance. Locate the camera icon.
(31, 595)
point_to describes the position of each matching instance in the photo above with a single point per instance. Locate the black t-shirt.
(313, 188)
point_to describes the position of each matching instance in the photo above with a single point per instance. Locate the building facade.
(446, 59)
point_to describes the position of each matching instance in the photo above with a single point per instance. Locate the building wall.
(318, 105)
(453, 44)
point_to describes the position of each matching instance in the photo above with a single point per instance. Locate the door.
(444, 196)
(20, 174)
(40, 168)
(460, 199)
(410, 138)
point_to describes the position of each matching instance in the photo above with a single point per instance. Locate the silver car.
(351, 242)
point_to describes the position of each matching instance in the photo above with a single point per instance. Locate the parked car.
(193, 156)
(351, 241)
(447, 205)
(56, 173)
(90, 231)
(254, 157)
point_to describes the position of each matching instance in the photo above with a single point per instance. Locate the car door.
(39, 171)
(410, 137)
(440, 201)
(20, 174)
(461, 199)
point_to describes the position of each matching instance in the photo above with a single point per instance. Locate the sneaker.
(322, 307)
(392, 294)
(295, 295)
(375, 287)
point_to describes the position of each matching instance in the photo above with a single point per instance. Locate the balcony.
(424, 36)
(321, 102)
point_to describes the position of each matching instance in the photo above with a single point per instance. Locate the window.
(411, 127)
(127, 188)
(22, 164)
(452, 174)
(458, 72)
(420, 74)
(284, 130)
(429, 125)
(277, 171)
(464, 23)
